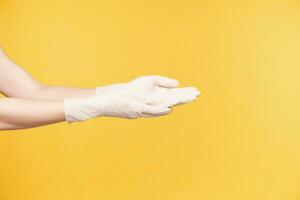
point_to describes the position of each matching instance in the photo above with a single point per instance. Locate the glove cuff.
(81, 109)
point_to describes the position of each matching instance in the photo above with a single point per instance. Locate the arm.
(146, 96)
(21, 113)
(16, 82)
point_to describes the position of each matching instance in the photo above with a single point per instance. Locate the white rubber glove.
(146, 96)
(153, 90)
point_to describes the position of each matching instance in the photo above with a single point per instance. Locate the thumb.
(163, 81)
(155, 110)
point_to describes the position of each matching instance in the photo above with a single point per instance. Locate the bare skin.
(23, 113)
(16, 82)
(30, 103)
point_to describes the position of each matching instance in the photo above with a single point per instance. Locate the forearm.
(21, 113)
(18, 83)
(60, 92)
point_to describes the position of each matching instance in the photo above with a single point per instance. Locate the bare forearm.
(21, 113)
(60, 92)
(16, 82)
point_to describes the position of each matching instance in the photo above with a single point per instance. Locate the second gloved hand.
(153, 90)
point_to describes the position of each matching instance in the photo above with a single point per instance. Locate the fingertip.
(198, 92)
(174, 83)
(194, 90)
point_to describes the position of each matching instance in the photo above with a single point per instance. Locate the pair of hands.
(145, 96)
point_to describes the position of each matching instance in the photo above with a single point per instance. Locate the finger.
(165, 81)
(151, 116)
(155, 110)
(185, 100)
(185, 90)
(178, 99)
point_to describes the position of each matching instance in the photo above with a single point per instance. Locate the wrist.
(82, 109)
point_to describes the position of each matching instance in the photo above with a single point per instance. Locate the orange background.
(239, 141)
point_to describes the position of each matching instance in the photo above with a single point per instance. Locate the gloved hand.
(153, 90)
(146, 96)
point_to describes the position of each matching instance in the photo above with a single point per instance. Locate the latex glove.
(148, 96)
(153, 90)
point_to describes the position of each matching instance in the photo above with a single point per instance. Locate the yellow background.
(239, 141)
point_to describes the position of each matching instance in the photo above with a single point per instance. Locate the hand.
(146, 96)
